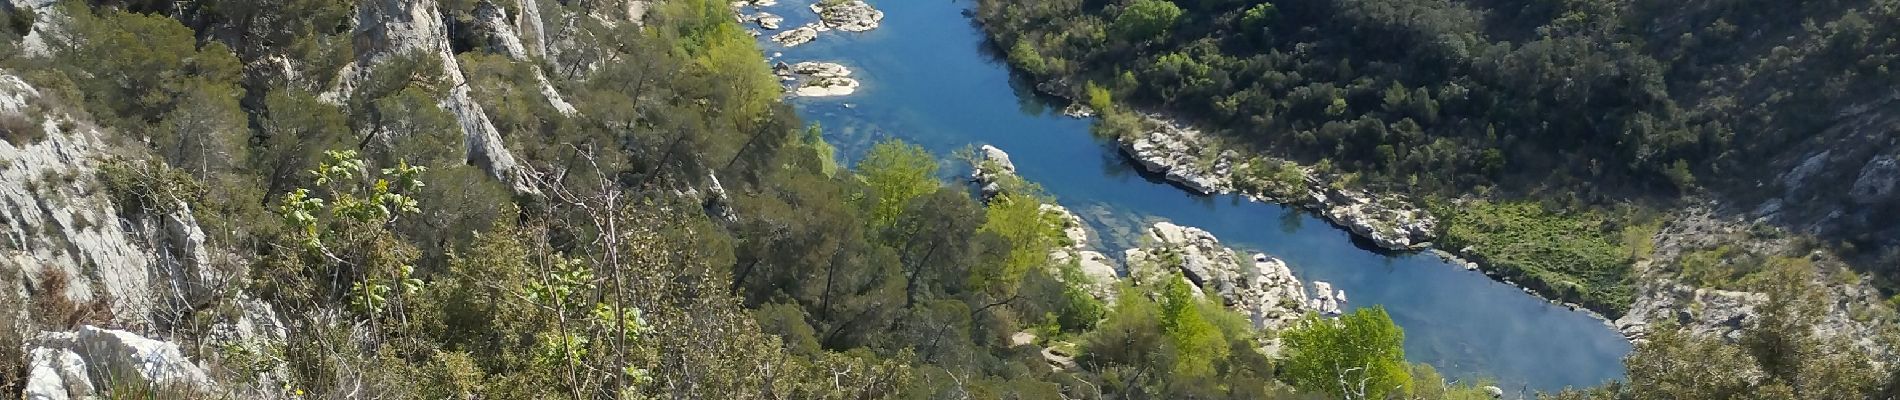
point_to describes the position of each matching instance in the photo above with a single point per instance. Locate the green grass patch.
(1580, 257)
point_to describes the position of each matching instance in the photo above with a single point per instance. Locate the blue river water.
(930, 78)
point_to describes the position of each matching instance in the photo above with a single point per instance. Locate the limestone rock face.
(58, 218)
(80, 363)
(1877, 180)
(388, 29)
(1260, 286)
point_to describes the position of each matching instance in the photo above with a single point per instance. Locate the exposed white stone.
(992, 166)
(827, 87)
(90, 357)
(797, 36)
(389, 29)
(1267, 291)
(57, 218)
(849, 15)
(1181, 155)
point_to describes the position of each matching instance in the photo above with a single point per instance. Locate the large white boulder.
(87, 361)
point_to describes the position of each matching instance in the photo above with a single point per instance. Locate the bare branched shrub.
(52, 309)
(19, 129)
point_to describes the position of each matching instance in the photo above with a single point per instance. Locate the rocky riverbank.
(1259, 286)
(1191, 159)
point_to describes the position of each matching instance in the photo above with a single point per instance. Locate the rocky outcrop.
(491, 21)
(1703, 312)
(797, 36)
(388, 29)
(1184, 156)
(827, 87)
(765, 20)
(991, 167)
(1078, 110)
(1326, 301)
(815, 69)
(1876, 181)
(58, 219)
(1097, 270)
(1390, 226)
(848, 15)
(817, 79)
(90, 361)
(1260, 286)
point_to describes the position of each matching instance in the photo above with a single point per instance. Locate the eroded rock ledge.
(1259, 286)
(1186, 157)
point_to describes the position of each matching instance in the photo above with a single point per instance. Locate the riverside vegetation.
(653, 224)
(1553, 139)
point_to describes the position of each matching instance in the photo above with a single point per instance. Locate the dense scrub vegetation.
(403, 271)
(1576, 104)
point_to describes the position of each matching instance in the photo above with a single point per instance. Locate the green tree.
(1361, 355)
(896, 173)
(1018, 218)
(1198, 344)
(1146, 19)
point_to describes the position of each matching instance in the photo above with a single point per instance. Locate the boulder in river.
(848, 15)
(1078, 110)
(817, 69)
(796, 36)
(766, 20)
(827, 87)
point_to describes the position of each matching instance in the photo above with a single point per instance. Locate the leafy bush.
(1146, 19)
(1359, 356)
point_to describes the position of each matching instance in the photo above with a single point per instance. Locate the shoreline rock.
(797, 36)
(992, 165)
(1181, 155)
(1266, 291)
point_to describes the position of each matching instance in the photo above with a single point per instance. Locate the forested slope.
(504, 199)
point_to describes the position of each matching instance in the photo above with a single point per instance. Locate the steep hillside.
(606, 199)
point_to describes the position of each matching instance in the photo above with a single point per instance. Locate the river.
(930, 78)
